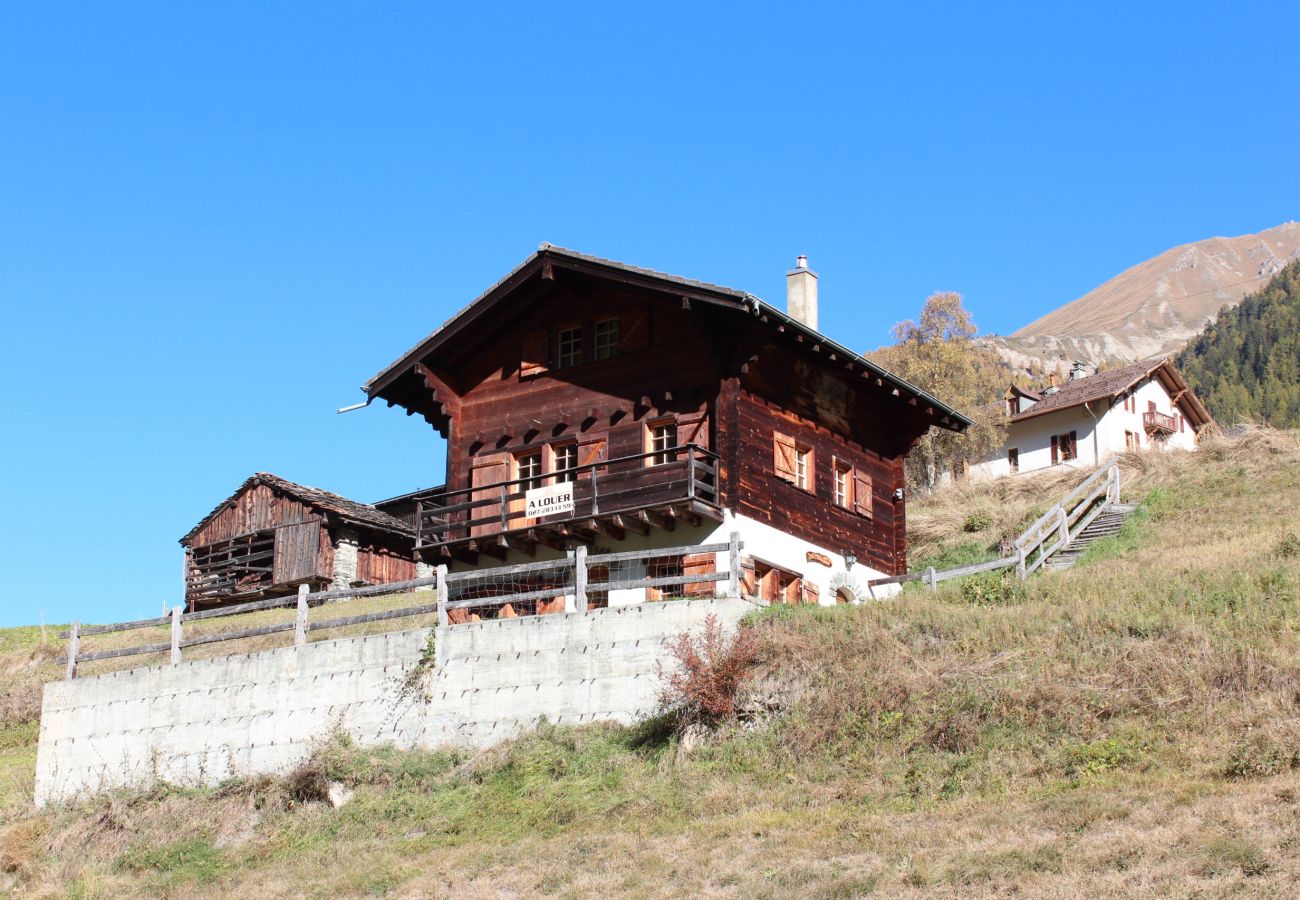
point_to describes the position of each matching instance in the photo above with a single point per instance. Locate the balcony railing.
(686, 474)
(1158, 421)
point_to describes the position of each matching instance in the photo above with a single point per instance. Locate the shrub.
(1289, 546)
(977, 521)
(702, 685)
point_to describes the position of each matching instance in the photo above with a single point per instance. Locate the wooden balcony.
(610, 498)
(1158, 422)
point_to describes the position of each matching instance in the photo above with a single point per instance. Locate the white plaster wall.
(201, 722)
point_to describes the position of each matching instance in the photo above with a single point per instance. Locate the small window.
(843, 477)
(803, 468)
(570, 347)
(606, 339)
(1013, 459)
(528, 469)
(661, 438)
(792, 461)
(565, 457)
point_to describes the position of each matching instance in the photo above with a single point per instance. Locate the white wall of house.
(1099, 433)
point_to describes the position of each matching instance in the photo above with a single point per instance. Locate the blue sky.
(218, 220)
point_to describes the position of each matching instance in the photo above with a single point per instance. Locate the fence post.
(930, 578)
(176, 634)
(580, 578)
(1114, 483)
(440, 635)
(300, 621)
(1020, 563)
(74, 645)
(733, 563)
(1064, 526)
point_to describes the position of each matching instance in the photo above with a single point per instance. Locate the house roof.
(1111, 384)
(548, 255)
(347, 510)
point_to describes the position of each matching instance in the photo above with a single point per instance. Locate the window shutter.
(699, 564)
(862, 495)
(1074, 446)
(812, 595)
(748, 580)
(535, 357)
(783, 456)
(634, 330)
(1056, 451)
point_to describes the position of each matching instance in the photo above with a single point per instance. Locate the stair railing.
(1051, 533)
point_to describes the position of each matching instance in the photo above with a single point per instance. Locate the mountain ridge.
(1154, 307)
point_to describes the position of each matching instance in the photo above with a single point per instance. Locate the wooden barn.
(588, 401)
(272, 535)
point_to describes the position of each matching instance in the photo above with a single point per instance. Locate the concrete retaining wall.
(209, 720)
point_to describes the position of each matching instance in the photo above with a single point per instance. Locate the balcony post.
(690, 472)
(505, 510)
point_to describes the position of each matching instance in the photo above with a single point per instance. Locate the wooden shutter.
(748, 580)
(1056, 451)
(487, 470)
(862, 494)
(634, 330)
(699, 564)
(783, 451)
(812, 595)
(536, 356)
(1074, 446)
(295, 552)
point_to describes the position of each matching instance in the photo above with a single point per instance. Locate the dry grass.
(1131, 727)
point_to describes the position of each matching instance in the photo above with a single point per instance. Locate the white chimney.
(801, 293)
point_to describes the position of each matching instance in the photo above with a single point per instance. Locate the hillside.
(1128, 727)
(1246, 366)
(1157, 305)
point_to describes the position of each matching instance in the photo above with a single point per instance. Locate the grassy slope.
(1128, 727)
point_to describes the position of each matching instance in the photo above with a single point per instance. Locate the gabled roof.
(1112, 384)
(548, 256)
(347, 510)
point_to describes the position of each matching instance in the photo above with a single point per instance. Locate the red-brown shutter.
(699, 564)
(634, 330)
(812, 595)
(748, 580)
(535, 357)
(1074, 446)
(862, 494)
(1056, 452)
(783, 451)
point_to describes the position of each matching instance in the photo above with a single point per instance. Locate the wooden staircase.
(1107, 524)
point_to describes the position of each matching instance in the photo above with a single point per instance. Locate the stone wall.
(204, 721)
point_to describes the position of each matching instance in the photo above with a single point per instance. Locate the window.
(773, 584)
(606, 339)
(661, 437)
(1013, 459)
(1064, 448)
(1130, 441)
(528, 469)
(564, 456)
(843, 483)
(570, 347)
(793, 462)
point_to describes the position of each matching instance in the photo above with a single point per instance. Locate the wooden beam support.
(629, 523)
(603, 525)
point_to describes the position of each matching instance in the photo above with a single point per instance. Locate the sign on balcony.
(551, 500)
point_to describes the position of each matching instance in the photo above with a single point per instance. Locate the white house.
(1091, 417)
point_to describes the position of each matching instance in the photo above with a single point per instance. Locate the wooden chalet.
(272, 535)
(667, 404)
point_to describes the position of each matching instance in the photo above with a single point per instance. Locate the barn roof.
(351, 511)
(689, 288)
(1111, 384)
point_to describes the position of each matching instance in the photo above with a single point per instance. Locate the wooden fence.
(1051, 533)
(573, 572)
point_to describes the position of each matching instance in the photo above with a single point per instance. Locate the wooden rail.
(1051, 533)
(572, 580)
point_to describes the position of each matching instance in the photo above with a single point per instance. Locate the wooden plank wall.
(666, 358)
(380, 565)
(255, 509)
(880, 542)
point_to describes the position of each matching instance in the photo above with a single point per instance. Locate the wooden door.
(487, 470)
(297, 548)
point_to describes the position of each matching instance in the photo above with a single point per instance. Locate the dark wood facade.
(272, 535)
(661, 396)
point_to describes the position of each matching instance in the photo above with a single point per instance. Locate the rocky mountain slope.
(1155, 306)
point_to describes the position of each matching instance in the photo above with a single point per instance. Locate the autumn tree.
(938, 354)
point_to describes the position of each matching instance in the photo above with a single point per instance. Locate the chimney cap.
(801, 261)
